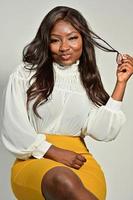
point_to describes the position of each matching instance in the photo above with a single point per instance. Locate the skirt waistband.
(73, 143)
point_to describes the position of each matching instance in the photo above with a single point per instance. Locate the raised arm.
(124, 72)
(105, 122)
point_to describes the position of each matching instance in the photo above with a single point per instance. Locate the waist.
(72, 143)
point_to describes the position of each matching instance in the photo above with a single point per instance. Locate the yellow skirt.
(26, 176)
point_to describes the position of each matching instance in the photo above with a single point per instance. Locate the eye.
(53, 40)
(73, 38)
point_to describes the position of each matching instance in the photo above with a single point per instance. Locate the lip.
(65, 56)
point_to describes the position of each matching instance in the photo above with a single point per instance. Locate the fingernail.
(124, 56)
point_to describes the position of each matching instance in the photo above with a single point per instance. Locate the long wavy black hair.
(38, 55)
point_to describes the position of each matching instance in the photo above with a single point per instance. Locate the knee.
(60, 180)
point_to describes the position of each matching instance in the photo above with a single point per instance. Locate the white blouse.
(68, 111)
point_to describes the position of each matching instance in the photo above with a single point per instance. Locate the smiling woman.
(65, 43)
(52, 101)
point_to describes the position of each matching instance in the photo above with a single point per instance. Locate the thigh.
(92, 177)
(26, 177)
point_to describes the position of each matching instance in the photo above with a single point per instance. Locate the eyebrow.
(58, 35)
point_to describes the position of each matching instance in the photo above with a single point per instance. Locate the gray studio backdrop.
(112, 20)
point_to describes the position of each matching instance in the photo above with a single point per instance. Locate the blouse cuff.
(113, 104)
(40, 147)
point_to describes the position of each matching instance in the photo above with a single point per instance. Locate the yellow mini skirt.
(26, 176)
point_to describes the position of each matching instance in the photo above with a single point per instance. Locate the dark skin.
(69, 158)
(66, 49)
(61, 183)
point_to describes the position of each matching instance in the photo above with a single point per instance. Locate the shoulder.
(23, 72)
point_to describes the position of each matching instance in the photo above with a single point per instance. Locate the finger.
(80, 157)
(127, 57)
(76, 166)
(78, 162)
(124, 68)
(128, 61)
(125, 64)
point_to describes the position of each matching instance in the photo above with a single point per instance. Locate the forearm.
(52, 152)
(67, 157)
(119, 91)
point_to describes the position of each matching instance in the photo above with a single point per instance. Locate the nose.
(64, 46)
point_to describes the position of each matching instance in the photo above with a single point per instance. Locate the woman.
(52, 101)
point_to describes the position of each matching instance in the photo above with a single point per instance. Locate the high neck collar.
(66, 70)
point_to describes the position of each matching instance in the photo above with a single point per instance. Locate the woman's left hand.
(125, 69)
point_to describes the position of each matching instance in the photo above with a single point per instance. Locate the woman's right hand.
(69, 158)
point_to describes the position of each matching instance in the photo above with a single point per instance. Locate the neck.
(66, 66)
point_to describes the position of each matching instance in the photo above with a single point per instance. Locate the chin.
(66, 62)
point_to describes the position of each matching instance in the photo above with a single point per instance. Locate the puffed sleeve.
(104, 123)
(18, 134)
